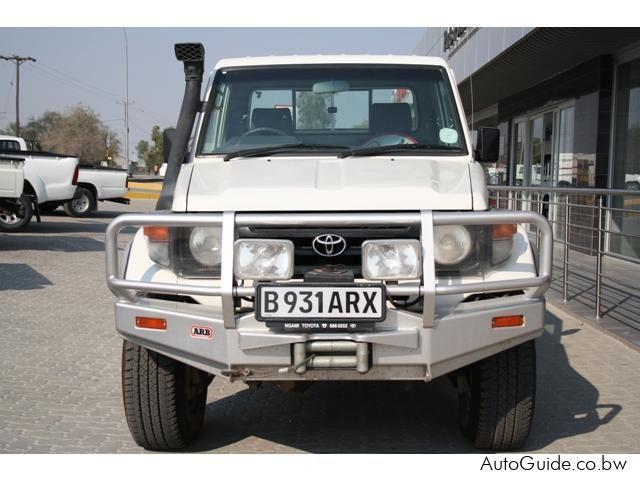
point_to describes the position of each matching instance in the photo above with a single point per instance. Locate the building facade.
(567, 103)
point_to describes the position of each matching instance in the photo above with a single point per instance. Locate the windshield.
(328, 108)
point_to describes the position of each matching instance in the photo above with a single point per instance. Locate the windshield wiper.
(359, 152)
(288, 147)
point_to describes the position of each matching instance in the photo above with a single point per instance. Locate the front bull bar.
(426, 219)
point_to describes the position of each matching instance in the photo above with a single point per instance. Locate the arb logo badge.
(198, 331)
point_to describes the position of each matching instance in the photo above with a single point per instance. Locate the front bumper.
(400, 348)
(406, 346)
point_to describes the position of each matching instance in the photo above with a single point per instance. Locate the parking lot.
(60, 369)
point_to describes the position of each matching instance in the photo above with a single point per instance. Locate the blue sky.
(86, 65)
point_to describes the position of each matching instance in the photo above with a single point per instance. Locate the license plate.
(320, 302)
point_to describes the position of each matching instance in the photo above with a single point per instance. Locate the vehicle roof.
(9, 137)
(331, 60)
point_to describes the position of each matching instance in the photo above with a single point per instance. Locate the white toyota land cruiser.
(330, 221)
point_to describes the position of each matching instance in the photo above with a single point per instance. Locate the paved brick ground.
(60, 377)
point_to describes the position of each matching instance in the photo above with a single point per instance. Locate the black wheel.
(497, 398)
(82, 203)
(164, 400)
(17, 214)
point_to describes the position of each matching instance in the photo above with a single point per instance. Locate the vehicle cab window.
(9, 145)
(342, 106)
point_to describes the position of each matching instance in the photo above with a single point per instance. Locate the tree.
(78, 131)
(142, 149)
(35, 127)
(152, 154)
(312, 111)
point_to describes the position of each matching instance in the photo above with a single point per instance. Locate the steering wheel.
(263, 131)
(390, 138)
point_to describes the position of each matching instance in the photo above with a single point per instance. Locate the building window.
(543, 151)
(625, 225)
(518, 154)
(627, 139)
(570, 171)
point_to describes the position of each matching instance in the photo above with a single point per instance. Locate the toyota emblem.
(329, 245)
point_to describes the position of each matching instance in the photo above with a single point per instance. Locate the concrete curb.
(144, 190)
(562, 311)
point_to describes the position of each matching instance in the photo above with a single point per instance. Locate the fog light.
(451, 244)
(263, 259)
(391, 259)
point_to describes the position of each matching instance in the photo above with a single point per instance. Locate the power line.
(438, 40)
(142, 108)
(78, 81)
(141, 129)
(71, 81)
(73, 84)
(6, 102)
(147, 111)
(67, 83)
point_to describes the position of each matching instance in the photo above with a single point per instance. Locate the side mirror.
(167, 140)
(487, 145)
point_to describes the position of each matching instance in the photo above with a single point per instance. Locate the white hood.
(312, 183)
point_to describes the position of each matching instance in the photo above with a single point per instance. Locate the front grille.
(307, 259)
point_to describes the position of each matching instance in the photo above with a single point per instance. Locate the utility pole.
(126, 99)
(17, 60)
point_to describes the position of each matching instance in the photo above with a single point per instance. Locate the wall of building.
(477, 48)
(581, 84)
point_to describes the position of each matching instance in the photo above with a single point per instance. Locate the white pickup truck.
(97, 184)
(94, 183)
(11, 186)
(48, 177)
(329, 223)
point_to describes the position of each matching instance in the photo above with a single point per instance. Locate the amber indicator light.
(157, 234)
(503, 230)
(507, 321)
(151, 322)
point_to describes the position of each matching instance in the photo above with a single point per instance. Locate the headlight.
(391, 259)
(451, 244)
(263, 259)
(206, 245)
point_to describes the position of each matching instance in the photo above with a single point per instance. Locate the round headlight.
(206, 245)
(452, 244)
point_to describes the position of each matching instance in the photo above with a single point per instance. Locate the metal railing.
(598, 231)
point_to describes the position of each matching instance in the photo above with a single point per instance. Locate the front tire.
(164, 400)
(497, 398)
(19, 217)
(82, 203)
